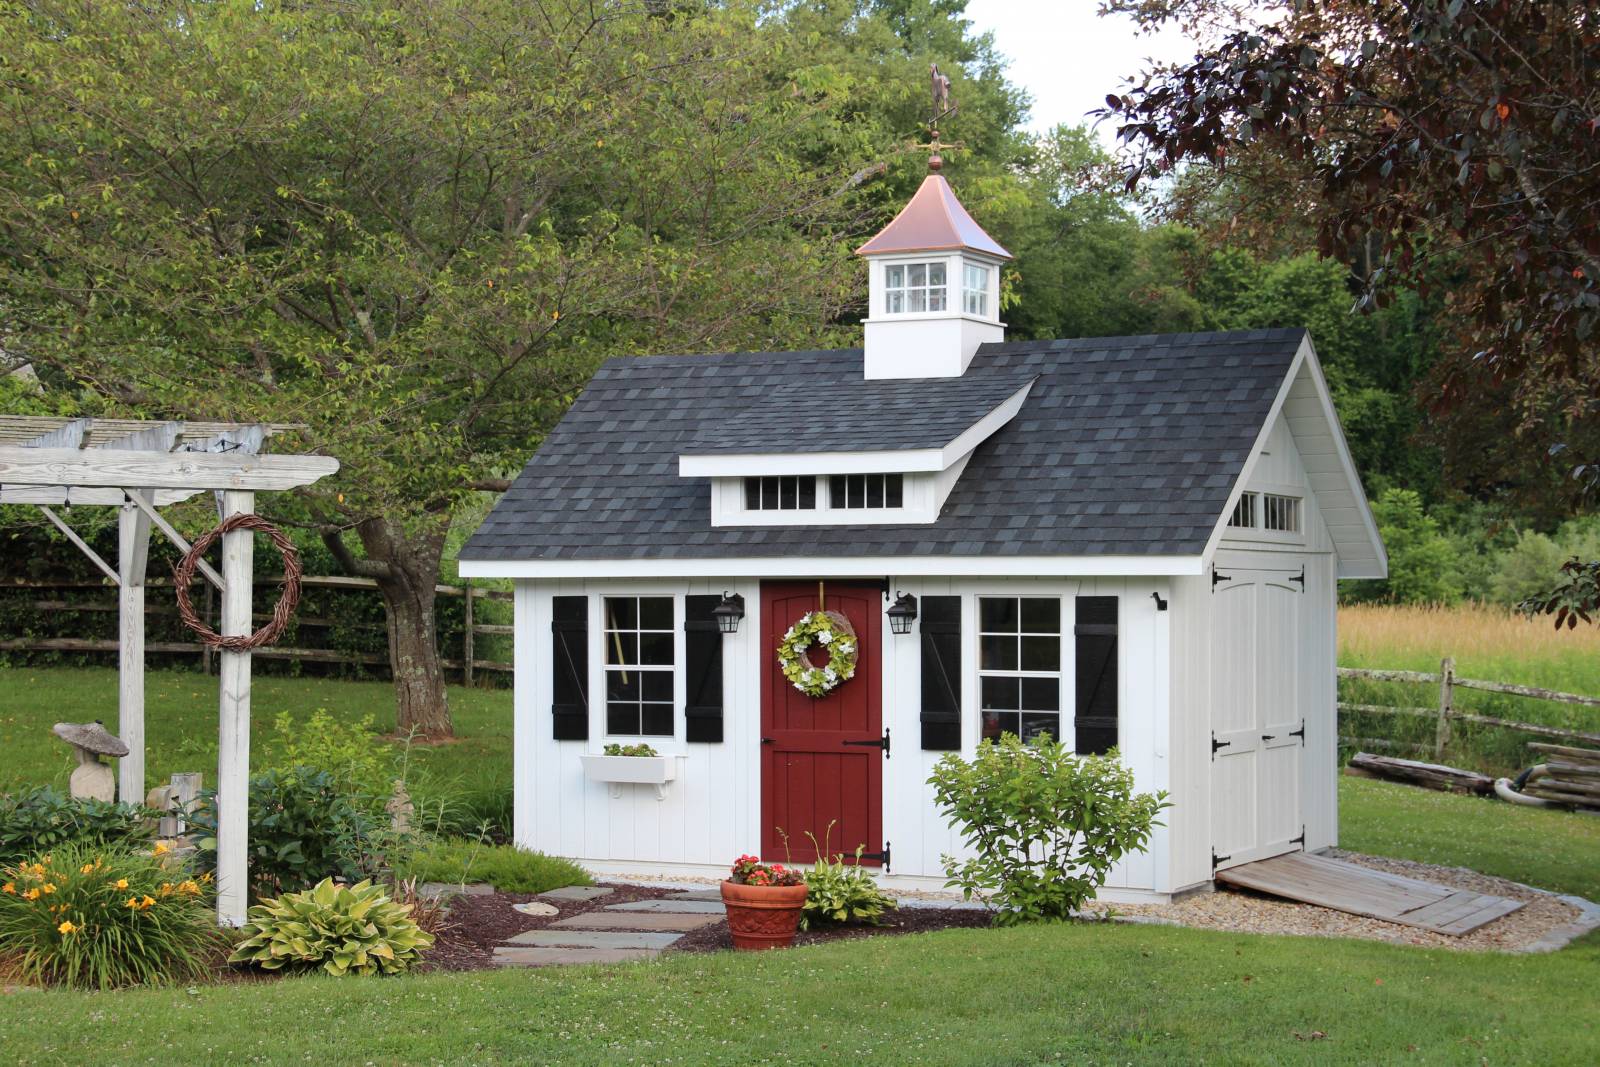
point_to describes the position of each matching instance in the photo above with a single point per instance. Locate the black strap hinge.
(1215, 744)
(881, 742)
(881, 857)
(1218, 578)
(1300, 733)
(1301, 840)
(1301, 578)
(1216, 860)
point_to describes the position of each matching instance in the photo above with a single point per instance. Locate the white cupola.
(934, 282)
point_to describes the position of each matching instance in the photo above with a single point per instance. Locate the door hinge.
(1218, 578)
(1215, 744)
(882, 742)
(1217, 860)
(1300, 733)
(881, 857)
(1301, 578)
(1301, 840)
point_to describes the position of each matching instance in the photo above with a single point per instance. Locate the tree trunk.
(405, 564)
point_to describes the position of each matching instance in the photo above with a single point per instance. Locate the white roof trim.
(814, 566)
(887, 461)
(1306, 360)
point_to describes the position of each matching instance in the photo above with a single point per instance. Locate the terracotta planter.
(763, 916)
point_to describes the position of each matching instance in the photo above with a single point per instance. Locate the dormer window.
(975, 290)
(857, 491)
(781, 493)
(909, 288)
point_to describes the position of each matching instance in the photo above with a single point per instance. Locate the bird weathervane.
(943, 108)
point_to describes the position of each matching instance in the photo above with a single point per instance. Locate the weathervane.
(943, 108)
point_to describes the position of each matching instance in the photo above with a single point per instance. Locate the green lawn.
(1073, 994)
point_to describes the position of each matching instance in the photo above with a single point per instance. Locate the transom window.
(1244, 512)
(639, 638)
(912, 287)
(852, 491)
(975, 290)
(1280, 513)
(786, 492)
(1019, 665)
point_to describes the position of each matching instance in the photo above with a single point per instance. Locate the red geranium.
(749, 870)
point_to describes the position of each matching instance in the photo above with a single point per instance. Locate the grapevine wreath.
(832, 631)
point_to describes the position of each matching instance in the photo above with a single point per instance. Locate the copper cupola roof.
(934, 221)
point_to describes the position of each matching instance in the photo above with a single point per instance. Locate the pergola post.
(133, 551)
(233, 736)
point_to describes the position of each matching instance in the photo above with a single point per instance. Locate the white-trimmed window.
(1019, 665)
(1280, 513)
(639, 655)
(1244, 512)
(786, 492)
(914, 287)
(975, 290)
(857, 491)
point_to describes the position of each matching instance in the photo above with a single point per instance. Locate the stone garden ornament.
(92, 779)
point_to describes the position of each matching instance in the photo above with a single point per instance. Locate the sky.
(1067, 57)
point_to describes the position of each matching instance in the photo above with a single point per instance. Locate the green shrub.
(359, 762)
(341, 929)
(840, 892)
(302, 830)
(1045, 826)
(34, 821)
(1422, 563)
(506, 867)
(95, 917)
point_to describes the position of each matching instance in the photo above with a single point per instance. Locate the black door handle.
(1268, 737)
(768, 740)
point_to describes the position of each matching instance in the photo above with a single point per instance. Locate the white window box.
(618, 771)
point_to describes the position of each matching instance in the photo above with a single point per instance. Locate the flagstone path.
(637, 930)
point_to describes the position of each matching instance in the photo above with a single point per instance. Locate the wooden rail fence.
(468, 664)
(1445, 714)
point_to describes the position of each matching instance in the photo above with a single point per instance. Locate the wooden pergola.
(138, 468)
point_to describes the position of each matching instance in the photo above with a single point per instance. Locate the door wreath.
(833, 632)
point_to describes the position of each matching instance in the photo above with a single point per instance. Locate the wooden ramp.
(1331, 883)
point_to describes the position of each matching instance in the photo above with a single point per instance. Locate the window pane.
(622, 685)
(655, 649)
(917, 300)
(655, 613)
(769, 493)
(896, 303)
(752, 494)
(788, 490)
(1041, 653)
(894, 277)
(935, 273)
(808, 493)
(997, 722)
(1034, 725)
(858, 490)
(622, 718)
(893, 494)
(622, 648)
(874, 490)
(998, 615)
(1041, 615)
(657, 720)
(656, 685)
(935, 299)
(997, 653)
(836, 495)
(917, 274)
(1003, 694)
(622, 613)
(1041, 694)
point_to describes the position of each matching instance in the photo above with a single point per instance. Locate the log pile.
(1415, 772)
(1568, 775)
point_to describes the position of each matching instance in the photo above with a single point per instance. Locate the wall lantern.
(902, 613)
(729, 612)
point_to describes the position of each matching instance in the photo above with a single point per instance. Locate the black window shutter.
(569, 667)
(702, 642)
(1096, 639)
(940, 623)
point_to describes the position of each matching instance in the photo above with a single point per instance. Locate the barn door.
(1257, 679)
(822, 759)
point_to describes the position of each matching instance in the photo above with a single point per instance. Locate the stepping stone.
(697, 894)
(442, 890)
(548, 957)
(578, 892)
(593, 939)
(681, 907)
(637, 920)
(536, 907)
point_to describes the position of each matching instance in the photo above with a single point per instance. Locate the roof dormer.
(934, 285)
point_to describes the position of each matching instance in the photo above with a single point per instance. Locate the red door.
(815, 769)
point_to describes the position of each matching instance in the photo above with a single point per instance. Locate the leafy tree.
(412, 227)
(1421, 562)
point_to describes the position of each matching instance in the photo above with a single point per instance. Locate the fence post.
(1447, 696)
(466, 637)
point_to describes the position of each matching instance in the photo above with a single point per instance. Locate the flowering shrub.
(100, 918)
(749, 870)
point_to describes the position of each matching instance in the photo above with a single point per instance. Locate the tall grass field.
(1487, 643)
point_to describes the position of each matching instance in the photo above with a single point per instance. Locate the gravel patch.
(1528, 929)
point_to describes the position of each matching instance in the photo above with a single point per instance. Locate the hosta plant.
(840, 892)
(343, 929)
(99, 918)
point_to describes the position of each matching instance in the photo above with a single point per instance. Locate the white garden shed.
(1128, 542)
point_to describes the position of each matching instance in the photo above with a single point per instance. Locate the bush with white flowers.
(831, 631)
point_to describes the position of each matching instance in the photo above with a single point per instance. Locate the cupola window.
(914, 287)
(975, 290)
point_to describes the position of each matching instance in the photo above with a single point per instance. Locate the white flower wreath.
(833, 632)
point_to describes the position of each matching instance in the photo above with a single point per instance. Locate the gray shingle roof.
(847, 414)
(1125, 445)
